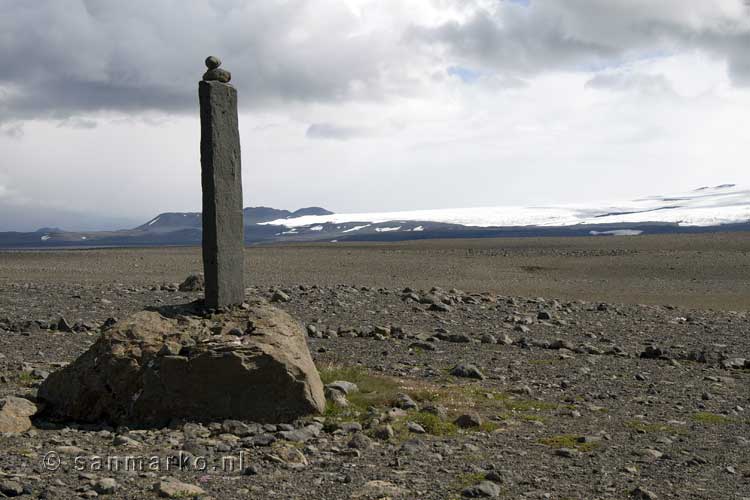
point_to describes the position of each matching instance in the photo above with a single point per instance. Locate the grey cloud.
(648, 84)
(63, 59)
(13, 130)
(331, 131)
(592, 35)
(143, 55)
(30, 217)
(77, 123)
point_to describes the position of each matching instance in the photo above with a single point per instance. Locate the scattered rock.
(105, 486)
(468, 420)
(384, 432)
(15, 414)
(172, 488)
(485, 489)
(640, 493)
(11, 488)
(405, 402)
(360, 442)
(467, 371)
(343, 386)
(193, 283)
(280, 296)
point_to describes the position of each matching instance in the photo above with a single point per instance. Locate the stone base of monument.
(248, 363)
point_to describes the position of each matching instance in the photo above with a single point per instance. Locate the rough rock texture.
(193, 283)
(250, 363)
(221, 178)
(15, 413)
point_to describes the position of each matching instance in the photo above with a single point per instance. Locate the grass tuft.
(705, 417)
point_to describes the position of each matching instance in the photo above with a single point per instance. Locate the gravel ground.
(587, 369)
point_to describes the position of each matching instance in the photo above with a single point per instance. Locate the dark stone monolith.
(221, 177)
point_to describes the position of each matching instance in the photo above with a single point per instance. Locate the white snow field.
(708, 206)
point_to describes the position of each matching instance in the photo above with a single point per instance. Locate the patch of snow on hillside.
(45, 237)
(316, 228)
(153, 221)
(387, 229)
(356, 228)
(617, 232)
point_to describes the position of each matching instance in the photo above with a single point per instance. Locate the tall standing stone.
(221, 177)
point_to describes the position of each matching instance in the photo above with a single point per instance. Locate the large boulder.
(248, 363)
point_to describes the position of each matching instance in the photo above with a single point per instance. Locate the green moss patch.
(708, 418)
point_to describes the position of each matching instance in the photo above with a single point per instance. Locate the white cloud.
(433, 104)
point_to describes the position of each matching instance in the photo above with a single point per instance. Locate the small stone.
(488, 339)
(126, 442)
(344, 386)
(263, 440)
(567, 452)
(650, 453)
(415, 428)
(437, 410)
(350, 427)
(280, 296)
(643, 494)
(336, 397)
(193, 283)
(384, 432)
(251, 470)
(11, 488)
(218, 75)
(544, 316)
(213, 62)
(15, 413)
(171, 488)
(652, 352)
(405, 402)
(561, 344)
(359, 442)
(302, 435)
(439, 307)
(105, 486)
(485, 489)
(236, 427)
(468, 420)
(289, 455)
(467, 371)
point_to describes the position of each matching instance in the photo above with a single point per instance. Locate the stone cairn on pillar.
(230, 357)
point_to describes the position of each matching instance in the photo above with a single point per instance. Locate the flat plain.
(710, 271)
(611, 368)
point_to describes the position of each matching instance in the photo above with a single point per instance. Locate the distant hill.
(709, 209)
(169, 228)
(174, 221)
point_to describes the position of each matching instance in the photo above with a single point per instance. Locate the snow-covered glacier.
(706, 206)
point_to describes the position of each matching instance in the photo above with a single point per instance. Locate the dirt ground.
(709, 271)
(588, 368)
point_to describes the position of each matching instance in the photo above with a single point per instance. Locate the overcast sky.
(369, 105)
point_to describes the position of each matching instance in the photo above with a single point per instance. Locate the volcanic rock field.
(584, 368)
